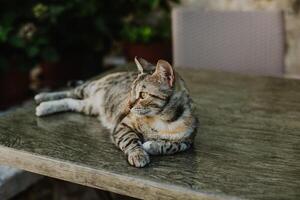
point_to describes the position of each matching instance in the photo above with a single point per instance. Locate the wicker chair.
(249, 42)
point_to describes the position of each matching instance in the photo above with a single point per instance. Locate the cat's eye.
(143, 95)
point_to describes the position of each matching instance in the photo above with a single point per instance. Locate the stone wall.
(291, 16)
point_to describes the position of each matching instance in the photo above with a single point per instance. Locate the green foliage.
(135, 33)
(40, 10)
(147, 21)
(35, 31)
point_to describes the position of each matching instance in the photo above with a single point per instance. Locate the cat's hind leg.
(50, 96)
(62, 105)
(76, 93)
(161, 147)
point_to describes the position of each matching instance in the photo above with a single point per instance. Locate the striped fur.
(147, 113)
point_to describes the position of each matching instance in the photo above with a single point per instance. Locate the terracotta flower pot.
(151, 52)
(72, 67)
(14, 87)
(57, 74)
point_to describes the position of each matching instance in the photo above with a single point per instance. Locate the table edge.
(97, 178)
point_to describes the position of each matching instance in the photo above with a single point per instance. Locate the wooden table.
(248, 145)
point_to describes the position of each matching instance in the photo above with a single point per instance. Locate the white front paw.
(39, 97)
(41, 110)
(151, 147)
(146, 145)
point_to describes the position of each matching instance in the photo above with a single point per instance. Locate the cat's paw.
(42, 109)
(39, 98)
(151, 147)
(138, 158)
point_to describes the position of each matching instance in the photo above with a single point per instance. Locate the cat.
(148, 112)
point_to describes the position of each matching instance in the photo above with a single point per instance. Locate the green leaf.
(146, 33)
(40, 10)
(4, 33)
(41, 41)
(56, 10)
(32, 51)
(154, 3)
(17, 42)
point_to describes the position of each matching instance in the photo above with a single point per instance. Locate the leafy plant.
(36, 31)
(147, 21)
(13, 47)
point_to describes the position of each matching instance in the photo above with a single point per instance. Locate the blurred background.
(45, 44)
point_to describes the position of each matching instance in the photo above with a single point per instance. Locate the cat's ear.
(143, 65)
(165, 71)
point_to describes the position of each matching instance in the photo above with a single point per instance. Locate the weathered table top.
(248, 146)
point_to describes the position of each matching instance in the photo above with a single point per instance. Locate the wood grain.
(248, 145)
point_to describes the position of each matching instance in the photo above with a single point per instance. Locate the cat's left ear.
(165, 71)
(143, 65)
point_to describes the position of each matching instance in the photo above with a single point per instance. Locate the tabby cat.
(147, 113)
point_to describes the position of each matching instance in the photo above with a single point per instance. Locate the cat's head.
(153, 87)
